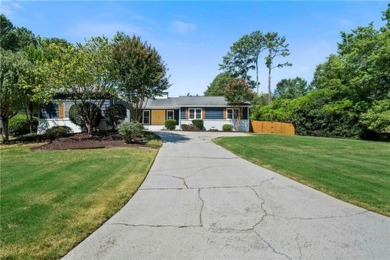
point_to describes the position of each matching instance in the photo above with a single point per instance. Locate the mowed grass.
(354, 171)
(51, 200)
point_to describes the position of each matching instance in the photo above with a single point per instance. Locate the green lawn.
(352, 170)
(51, 200)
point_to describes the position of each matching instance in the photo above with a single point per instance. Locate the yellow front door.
(158, 117)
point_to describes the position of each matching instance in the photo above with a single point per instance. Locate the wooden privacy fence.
(273, 127)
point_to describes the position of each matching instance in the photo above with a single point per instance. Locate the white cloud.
(9, 8)
(182, 27)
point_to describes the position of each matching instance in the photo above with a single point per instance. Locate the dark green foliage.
(29, 138)
(57, 132)
(139, 72)
(217, 87)
(114, 114)
(198, 123)
(14, 38)
(170, 124)
(131, 131)
(350, 92)
(291, 88)
(227, 128)
(79, 112)
(19, 125)
(377, 118)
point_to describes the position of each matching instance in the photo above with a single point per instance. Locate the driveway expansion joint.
(151, 225)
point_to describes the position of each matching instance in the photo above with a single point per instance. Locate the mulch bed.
(84, 141)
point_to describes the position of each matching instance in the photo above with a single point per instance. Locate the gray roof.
(188, 101)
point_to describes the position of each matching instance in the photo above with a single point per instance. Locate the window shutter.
(61, 111)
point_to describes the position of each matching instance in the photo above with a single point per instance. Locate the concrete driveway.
(201, 201)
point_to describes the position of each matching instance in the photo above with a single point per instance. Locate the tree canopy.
(291, 88)
(350, 90)
(138, 71)
(217, 87)
(243, 57)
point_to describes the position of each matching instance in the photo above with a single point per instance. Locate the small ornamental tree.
(81, 72)
(84, 114)
(238, 93)
(114, 114)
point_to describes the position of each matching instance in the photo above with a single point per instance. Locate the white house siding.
(243, 125)
(46, 123)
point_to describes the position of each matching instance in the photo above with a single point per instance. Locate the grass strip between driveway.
(51, 200)
(354, 171)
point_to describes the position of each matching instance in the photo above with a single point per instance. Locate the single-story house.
(213, 110)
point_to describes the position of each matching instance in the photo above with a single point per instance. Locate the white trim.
(233, 110)
(173, 114)
(143, 117)
(195, 109)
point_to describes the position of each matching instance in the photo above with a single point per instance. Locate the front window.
(170, 114)
(232, 113)
(195, 113)
(146, 117)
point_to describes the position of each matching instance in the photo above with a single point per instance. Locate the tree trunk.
(5, 133)
(29, 113)
(257, 78)
(90, 128)
(269, 86)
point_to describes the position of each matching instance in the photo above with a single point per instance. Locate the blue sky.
(192, 37)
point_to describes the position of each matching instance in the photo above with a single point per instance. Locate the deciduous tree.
(238, 93)
(217, 87)
(291, 88)
(139, 72)
(82, 73)
(12, 67)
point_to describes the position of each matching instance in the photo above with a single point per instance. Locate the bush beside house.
(170, 124)
(198, 123)
(131, 131)
(227, 128)
(19, 125)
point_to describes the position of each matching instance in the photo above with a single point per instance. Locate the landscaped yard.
(352, 170)
(51, 200)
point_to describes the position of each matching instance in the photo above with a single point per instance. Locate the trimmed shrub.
(170, 124)
(75, 114)
(57, 132)
(114, 114)
(198, 123)
(131, 131)
(30, 138)
(19, 125)
(227, 128)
